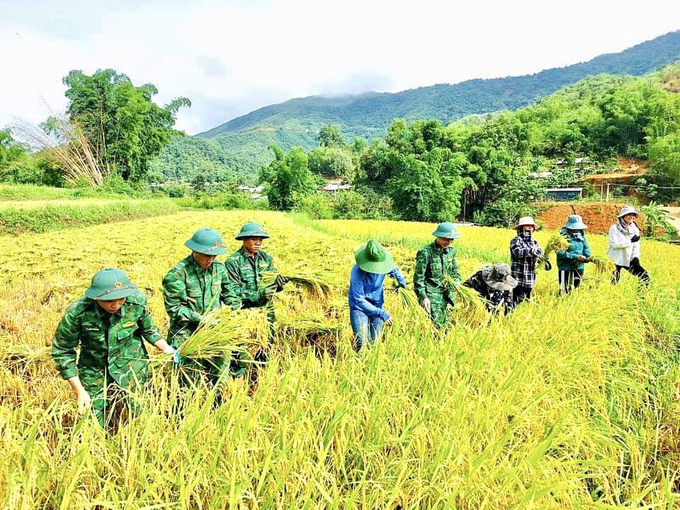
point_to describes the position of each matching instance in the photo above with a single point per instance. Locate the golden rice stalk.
(224, 332)
(15, 356)
(602, 265)
(307, 325)
(555, 243)
(408, 298)
(472, 307)
(316, 283)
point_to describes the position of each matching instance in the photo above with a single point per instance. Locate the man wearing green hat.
(434, 263)
(109, 325)
(366, 296)
(195, 286)
(246, 266)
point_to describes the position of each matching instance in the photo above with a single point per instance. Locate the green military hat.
(109, 284)
(206, 241)
(373, 258)
(446, 230)
(252, 229)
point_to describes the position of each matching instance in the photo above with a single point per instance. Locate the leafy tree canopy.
(121, 121)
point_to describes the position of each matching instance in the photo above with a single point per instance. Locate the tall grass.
(69, 148)
(568, 402)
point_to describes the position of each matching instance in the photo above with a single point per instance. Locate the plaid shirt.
(524, 254)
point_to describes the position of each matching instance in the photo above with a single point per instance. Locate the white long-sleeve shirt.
(621, 249)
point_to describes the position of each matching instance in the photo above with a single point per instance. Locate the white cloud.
(233, 57)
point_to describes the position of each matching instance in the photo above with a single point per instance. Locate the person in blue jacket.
(366, 296)
(571, 262)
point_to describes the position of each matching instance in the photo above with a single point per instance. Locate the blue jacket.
(366, 291)
(567, 260)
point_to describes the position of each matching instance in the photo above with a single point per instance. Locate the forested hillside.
(485, 168)
(296, 122)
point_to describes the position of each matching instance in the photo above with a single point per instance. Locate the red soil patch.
(628, 170)
(598, 217)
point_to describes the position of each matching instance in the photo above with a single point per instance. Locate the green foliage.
(10, 151)
(664, 155)
(121, 121)
(656, 222)
(332, 162)
(185, 157)
(287, 178)
(318, 206)
(330, 136)
(217, 201)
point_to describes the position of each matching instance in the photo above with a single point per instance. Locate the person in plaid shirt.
(524, 254)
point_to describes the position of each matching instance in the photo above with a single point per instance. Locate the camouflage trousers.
(109, 399)
(439, 310)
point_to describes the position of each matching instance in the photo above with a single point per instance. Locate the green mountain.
(297, 122)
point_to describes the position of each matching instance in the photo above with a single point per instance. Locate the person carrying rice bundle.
(571, 262)
(245, 269)
(495, 284)
(108, 325)
(624, 246)
(194, 287)
(366, 293)
(434, 263)
(525, 252)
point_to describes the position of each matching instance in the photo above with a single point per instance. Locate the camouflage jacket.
(108, 342)
(189, 291)
(245, 273)
(432, 265)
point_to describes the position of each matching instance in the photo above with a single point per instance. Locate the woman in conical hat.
(366, 297)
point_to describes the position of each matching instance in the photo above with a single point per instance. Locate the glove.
(175, 354)
(635, 261)
(634, 239)
(270, 291)
(548, 265)
(280, 282)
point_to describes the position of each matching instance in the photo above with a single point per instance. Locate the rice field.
(569, 402)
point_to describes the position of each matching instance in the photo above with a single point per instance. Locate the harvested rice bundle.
(472, 306)
(224, 332)
(316, 283)
(308, 325)
(602, 265)
(555, 243)
(408, 298)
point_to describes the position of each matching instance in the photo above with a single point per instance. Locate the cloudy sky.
(231, 57)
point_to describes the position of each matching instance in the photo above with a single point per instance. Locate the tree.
(664, 155)
(286, 178)
(330, 136)
(10, 150)
(125, 127)
(331, 162)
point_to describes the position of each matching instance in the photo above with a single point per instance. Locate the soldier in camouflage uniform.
(245, 268)
(434, 262)
(195, 286)
(109, 325)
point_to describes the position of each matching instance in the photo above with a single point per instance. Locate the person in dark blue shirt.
(366, 296)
